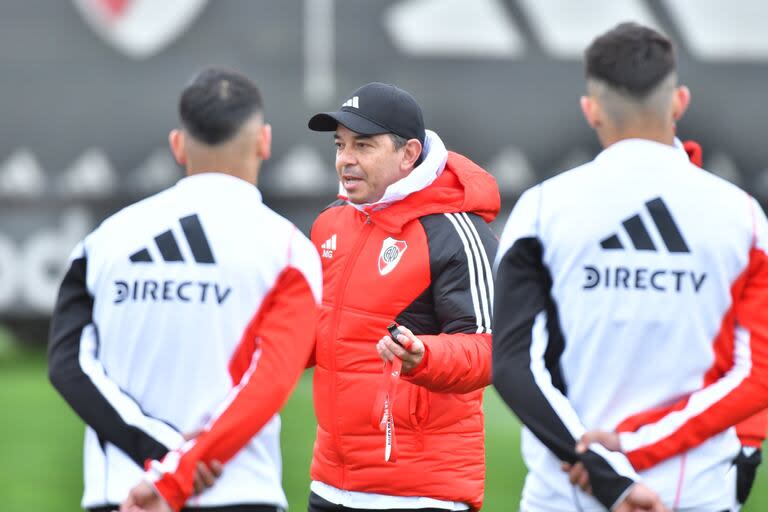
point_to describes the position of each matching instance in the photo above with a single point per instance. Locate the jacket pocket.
(419, 405)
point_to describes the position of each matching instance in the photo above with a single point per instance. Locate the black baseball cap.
(373, 109)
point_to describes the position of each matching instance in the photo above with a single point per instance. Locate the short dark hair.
(631, 58)
(397, 140)
(217, 102)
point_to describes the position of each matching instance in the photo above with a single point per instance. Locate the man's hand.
(641, 499)
(577, 473)
(206, 476)
(608, 439)
(411, 353)
(144, 498)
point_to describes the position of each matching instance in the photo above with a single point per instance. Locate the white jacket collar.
(640, 151)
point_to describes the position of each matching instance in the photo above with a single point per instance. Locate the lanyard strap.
(382, 415)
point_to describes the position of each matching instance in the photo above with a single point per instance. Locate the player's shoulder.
(331, 214)
(718, 186)
(332, 210)
(451, 235)
(452, 224)
(134, 216)
(575, 177)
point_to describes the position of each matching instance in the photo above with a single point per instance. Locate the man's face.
(366, 164)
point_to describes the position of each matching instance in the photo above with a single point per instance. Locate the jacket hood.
(462, 186)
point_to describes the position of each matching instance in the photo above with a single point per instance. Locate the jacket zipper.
(361, 239)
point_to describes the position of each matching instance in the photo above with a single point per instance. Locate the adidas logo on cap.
(353, 102)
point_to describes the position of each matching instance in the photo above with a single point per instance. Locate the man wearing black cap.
(407, 243)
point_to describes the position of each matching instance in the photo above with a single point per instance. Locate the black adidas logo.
(169, 248)
(641, 239)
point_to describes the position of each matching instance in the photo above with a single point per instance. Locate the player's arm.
(267, 365)
(734, 390)
(77, 374)
(526, 352)
(458, 360)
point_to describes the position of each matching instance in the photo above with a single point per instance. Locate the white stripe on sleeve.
(472, 272)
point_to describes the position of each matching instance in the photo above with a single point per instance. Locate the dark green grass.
(41, 445)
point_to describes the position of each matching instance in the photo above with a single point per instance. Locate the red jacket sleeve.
(752, 430)
(735, 389)
(268, 363)
(454, 363)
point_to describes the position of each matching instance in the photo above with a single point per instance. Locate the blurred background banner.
(89, 91)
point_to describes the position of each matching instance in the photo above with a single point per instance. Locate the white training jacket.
(191, 310)
(631, 295)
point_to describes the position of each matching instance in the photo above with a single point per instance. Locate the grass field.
(41, 445)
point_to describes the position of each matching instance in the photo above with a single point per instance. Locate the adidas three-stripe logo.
(169, 248)
(641, 238)
(353, 102)
(328, 247)
(330, 244)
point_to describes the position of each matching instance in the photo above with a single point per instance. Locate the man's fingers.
(577, 475)
(574, 474)
(206, 476)
(405, 341)
(191, 435)
(608, 439)
(396, 350)
(384, 352)
(197, 484)
(410, 337)
(584, 480)
(216, 468)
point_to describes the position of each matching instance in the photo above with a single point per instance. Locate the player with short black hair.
(631, 58)
(630, 333)
(185, 320)
(216, 103)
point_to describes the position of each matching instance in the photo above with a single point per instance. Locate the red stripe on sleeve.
(266, 366)
(633, 423)
(752, 430)
(750, 302)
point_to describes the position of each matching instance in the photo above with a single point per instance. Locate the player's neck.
(248, 173)
(664, 135)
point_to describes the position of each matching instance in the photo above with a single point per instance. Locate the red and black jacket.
(423, 262)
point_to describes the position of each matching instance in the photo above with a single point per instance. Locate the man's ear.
(591, 110)
(411, 153)
(680, 102)
(264, 144)
(176, 141)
